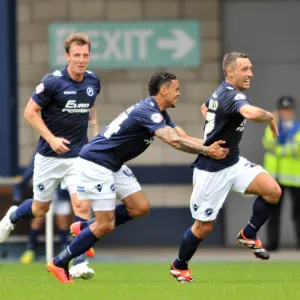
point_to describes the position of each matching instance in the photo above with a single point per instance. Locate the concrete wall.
(196, 84)
(268, 32)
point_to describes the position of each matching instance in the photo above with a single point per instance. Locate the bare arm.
(170, 136)
(255, 114)
(93, 121)
(259, 115)
(204, 110)
(32, 115)
(183, 134)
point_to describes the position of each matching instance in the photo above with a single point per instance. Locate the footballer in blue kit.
(66, 106)
(62, 210)
(61, 108)
(129, 135)
(225, 113)
(223, 121)
(103, 176)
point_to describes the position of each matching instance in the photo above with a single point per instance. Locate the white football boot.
(81, 271)
(6, 226)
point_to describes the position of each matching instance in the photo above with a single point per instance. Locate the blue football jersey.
(66, 107)
(223, 122)
(127, 136)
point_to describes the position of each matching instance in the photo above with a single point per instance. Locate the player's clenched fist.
(58, 145)
(216, 151)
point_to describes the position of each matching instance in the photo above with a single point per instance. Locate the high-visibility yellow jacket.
(282, 160)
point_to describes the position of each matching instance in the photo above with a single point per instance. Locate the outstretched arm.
(255, 114)
(259, 115)
(183, 134)
(170, 136)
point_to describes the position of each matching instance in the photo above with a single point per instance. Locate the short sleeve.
(234, 101)
(168, 120)
(44, 91)
(149, 117)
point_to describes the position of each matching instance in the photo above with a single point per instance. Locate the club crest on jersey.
(240, 96)
(90, 91)
(40, 88)
(157, 118)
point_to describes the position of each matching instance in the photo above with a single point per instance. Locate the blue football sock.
(188, 247)
(63, 238)
(79, 259)
(32, 239)
(84, 241)
(24, 211)
(261, 212)
(85, 224)
(122, 216)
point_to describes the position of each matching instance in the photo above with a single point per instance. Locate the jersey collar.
(152, 100)
(67, 75)
(225, 83)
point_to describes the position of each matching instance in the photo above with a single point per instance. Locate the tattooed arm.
(259, 115)
(183, 134)
(93, 121)
(255, 114)
(170, 136)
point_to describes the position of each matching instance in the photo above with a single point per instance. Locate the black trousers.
(273, 225)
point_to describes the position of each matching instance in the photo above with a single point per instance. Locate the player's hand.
(58, 145)
(273, 127)
(216, 151)
(275, 116)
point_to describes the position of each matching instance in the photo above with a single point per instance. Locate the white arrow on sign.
(181, 42)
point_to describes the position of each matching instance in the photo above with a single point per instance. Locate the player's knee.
(274, 194)
(140, 211)
(207, 227)
(144, 210)
(201, 229)
(81, 208)
(39, 211)
(103, 228)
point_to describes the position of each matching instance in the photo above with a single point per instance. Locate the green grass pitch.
(147, 281)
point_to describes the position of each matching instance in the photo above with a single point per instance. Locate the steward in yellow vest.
(282, 161)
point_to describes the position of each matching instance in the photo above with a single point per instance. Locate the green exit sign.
(117, 45)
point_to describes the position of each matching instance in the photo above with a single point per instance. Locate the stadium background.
(266, 30)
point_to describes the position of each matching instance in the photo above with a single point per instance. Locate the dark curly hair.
(158, 79)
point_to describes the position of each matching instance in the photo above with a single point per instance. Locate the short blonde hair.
(77, 38)
(230, 58)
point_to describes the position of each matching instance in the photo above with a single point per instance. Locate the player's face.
(78, 59)
(240, 74)
(171, 93)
